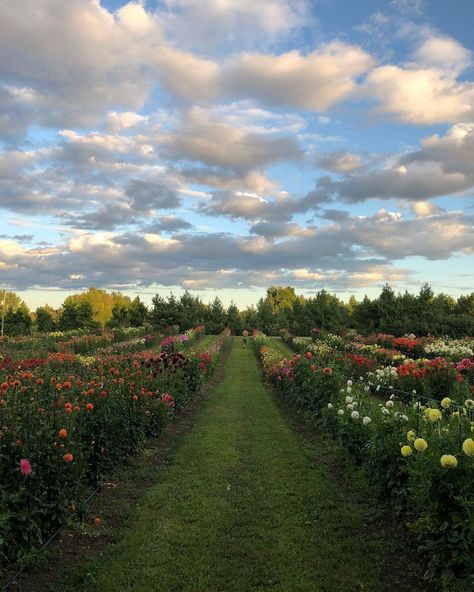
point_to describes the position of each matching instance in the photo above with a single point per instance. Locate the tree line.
(281, 308)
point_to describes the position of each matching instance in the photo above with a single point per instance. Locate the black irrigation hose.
(45, 545)
(418, 398)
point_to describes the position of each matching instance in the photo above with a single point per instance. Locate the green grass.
(280, 346)
(244, 506)
(206, 341)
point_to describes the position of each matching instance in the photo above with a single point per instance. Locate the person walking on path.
(245, 334)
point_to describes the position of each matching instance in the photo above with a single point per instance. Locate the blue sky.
(225, 146)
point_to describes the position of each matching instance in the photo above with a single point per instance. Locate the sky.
(224, 146)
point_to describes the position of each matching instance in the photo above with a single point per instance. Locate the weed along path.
(243, 506)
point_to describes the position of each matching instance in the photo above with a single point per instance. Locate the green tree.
(234, 319)
(137, 312)
(18, 322)
(215, 317)
(77, 315)
(45, 319)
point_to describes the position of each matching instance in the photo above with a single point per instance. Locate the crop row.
(417, 451)
(67, 421)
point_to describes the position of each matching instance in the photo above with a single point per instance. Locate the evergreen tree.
(215, 317)
(137, 312)
(18, 322)
(45, 319)
(234, 319)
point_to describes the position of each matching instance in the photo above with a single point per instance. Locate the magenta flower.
(25, 467)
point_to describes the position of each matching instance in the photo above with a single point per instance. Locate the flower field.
(403, 409)
(68, 418)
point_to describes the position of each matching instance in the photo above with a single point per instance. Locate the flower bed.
(67, 420)
(418, 451)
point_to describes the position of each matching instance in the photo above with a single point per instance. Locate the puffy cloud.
(186, 75)
(216, 143)
(315, 81)
(77, 57)
(425, 208)
(443, 52)
(355, 251)
(340, 161)
(444, 165)
(116, 122)
(421, 95)
(103, 218)
(146, 195)
(250, 206)
(236, 205)
(167, 224)
(253, 181)
(434, 237)
(365, 277)
(454, 151)
(226, 23)
(415, 181)
(272, 230)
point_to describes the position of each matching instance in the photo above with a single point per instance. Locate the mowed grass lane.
(243, 506)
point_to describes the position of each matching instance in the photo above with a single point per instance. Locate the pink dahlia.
(25, 467)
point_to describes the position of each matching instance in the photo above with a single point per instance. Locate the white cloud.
(315, 81)
(77, 58)
(226, 24)
(117, 122)
(421, 95)
(425, 208)
(443, 52)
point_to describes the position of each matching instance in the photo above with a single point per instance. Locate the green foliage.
(76, 315)
(234, 319)
(45, 319)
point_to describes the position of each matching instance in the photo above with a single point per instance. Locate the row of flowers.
(419, 452)
(76, 341)
(429, 377)
(65, 425)
(183, 340)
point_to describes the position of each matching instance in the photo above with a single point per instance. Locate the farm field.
(247, 504)
(284, 488)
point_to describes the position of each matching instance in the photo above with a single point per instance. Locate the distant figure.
(245, 334)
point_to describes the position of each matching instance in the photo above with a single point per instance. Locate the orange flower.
(4, 386)
(77, 408)
(135, 398)
(327, 371)
(97, 520)
(66, 385)
(89, 406)
(68, 457)
(62, 433)
(39, 381)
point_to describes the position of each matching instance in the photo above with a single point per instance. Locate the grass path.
(244, 506)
